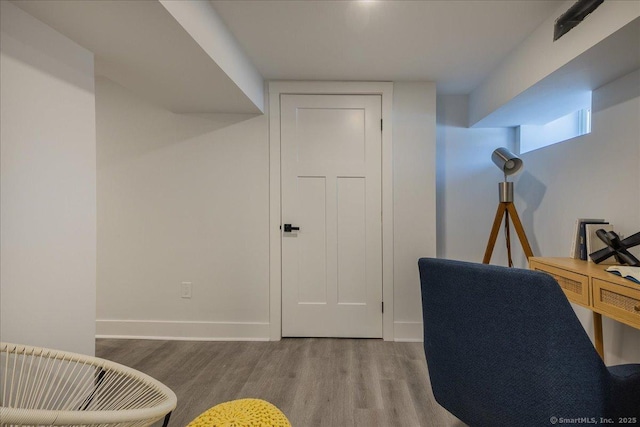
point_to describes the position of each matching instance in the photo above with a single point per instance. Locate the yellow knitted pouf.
(242, 413)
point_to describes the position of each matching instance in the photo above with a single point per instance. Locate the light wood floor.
(315, 382)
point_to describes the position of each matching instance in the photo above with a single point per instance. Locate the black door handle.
(288, 228)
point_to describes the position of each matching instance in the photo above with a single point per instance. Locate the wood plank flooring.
(314, 381)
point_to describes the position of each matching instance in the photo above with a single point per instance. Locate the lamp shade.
(508, 162)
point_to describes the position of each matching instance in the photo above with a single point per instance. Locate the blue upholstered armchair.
(505, 348)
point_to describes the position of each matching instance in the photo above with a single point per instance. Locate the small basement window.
(532, 137)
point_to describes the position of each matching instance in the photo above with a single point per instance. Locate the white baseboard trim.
(182, 330)
(407, 331)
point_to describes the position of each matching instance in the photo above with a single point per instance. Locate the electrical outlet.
(185, 290)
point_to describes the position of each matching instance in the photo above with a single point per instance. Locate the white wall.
(414, 195)
(180, 199)
(592, 175)
(48, 187)
(598, 171)
(185, 199)
(467, 182)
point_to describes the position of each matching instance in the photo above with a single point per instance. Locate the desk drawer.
(575, 286)
(618, 302)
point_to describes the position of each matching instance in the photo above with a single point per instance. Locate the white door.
(331, 191)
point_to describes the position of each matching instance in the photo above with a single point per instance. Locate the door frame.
(278, 88)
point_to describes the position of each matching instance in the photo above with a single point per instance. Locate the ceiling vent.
(574, 16)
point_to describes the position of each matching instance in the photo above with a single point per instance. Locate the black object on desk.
(617, 248)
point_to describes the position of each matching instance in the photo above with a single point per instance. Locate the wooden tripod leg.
(507, 235)
(494, 233)
(511, 208)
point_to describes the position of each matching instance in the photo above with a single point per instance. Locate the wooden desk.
(588, 285)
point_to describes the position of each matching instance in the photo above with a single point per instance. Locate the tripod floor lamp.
(509, 163)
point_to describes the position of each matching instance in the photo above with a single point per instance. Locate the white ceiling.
(455, 43)
(141, 46)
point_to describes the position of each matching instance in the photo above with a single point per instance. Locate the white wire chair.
(44, 387)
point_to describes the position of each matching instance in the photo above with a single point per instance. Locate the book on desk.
(631, 273)
(579, 241)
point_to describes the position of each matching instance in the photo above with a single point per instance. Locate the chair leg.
(98, 381)
(166, 420)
